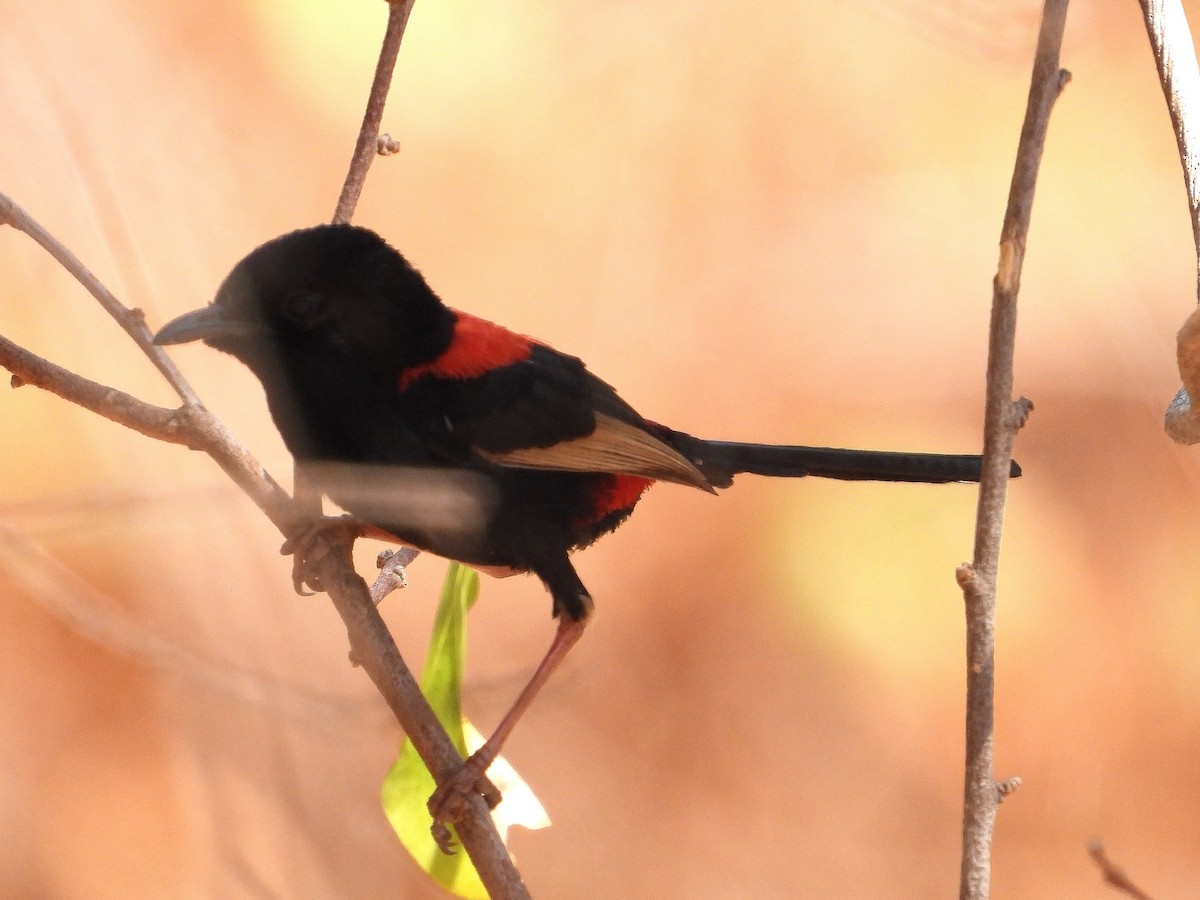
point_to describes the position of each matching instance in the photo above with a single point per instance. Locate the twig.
(1179, 75)
(391, 575)
(368, 145)
(1002, 418)
(1113, 874)
(131, 320)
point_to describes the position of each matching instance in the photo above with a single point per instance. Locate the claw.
(306, 548)
(448, 804)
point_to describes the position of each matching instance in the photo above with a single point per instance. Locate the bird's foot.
(448, 805)
(309, 545)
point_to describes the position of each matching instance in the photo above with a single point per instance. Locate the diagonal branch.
(131, 320)
(367, 146)
(1002, 419)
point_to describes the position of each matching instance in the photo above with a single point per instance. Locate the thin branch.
(153, 421)
(391, 575)
(1002, 419)
(372, 646)
(1114, 876)
(131, 320)
(1179, 75)
(368, 145)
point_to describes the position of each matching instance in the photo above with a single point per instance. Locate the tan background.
(770, 221)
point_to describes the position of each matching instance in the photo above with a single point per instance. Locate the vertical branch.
(1002, 419)
(1175, 58)
(371, 642)
(367, 144)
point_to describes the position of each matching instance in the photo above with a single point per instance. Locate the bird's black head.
(325, 296)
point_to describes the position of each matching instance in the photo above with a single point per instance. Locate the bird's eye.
(303, 308)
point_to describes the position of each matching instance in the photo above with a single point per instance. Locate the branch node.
(1006, 787)
(967, 578)
(1019, 414)
(386, 145)
(391, 576)
(16, 381)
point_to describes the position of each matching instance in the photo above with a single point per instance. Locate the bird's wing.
(543, 411)
(613, 446)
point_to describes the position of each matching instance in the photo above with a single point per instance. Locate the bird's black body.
(364, 366)
(462, 438)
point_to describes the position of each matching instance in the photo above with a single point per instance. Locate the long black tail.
(721, 460)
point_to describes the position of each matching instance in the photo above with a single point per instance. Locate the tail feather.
(721, 460)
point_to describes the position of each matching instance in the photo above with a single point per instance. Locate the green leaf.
(408, 784)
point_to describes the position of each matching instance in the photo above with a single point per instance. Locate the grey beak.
(200, 324)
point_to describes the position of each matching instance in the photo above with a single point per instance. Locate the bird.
(462, 438)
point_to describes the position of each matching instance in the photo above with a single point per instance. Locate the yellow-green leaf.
(408, 784)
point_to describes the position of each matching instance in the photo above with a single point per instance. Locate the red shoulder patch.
(476, 347)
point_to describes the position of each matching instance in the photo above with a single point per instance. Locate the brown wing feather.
(614, 446)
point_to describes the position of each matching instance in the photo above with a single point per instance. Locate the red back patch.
(476, 347)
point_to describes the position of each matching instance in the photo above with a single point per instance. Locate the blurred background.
(773, 222)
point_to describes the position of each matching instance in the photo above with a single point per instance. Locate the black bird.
(462, 438)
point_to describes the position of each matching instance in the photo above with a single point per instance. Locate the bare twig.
(131, 320)
(1114, 876)
(372, 646)
(1002, 418)
(1175, 58)
(391, 575)
(368, 145)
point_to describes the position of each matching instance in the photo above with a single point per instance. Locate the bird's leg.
(447, 803)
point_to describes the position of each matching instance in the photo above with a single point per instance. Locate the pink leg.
(446, 802)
